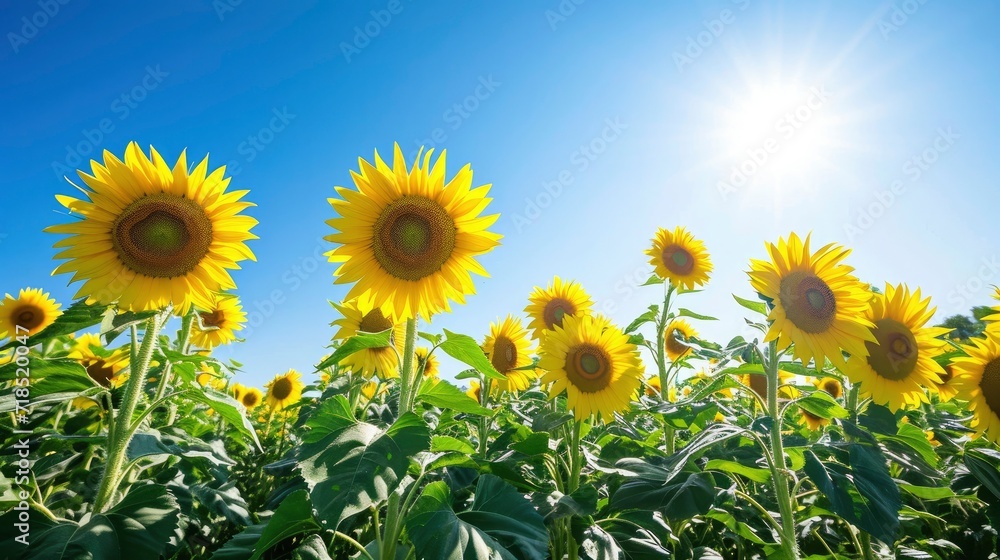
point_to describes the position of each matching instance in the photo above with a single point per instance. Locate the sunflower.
(474, 391)
(977, 379)
(931, 439)
(217, 325)
(677, 331)
(251, 397)
(152, 235)
(427, 361)
(284, 390)
(811, 421)
(509, 347)
(946, 389)
(818, 304)
(409, 236)
(758, 383)
(831, 385)
(547, 307)
(900, 363)
(595, 364)
(653, 386)
(370, 388)
(103, 366)
(680, 258)
(238, 390)
(362, 314)
(27, 314)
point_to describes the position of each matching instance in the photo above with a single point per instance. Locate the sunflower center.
(162, 235)
(832, 387)
(504, 356)
(894, 356)
(947, 375)
(101, 372)
(213, 319)
(809, 302)
(674, 343)
(29, 316)
(413, 237)
(758, 383)
(281, 388)
(588, 367)
(555, 310)
(677, 259)
(251, 399)
(374, 322)
(990, 385)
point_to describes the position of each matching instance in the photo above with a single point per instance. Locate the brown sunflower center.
(674, 343)
(29, 316)
(947, 375)
(990, 385)
(504, 357)
(251, 399)
(214, 319)
(555, 310)
(588, 367)
(677, 259)
(894, 356)
(374, 322)
(808, 301)
(758, 383)
(281, 388)
(413, 237)
(832, 387)
(162, 235)
(100, 371)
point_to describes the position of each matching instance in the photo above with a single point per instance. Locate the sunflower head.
(509, 348)
(757, 382)
(475, 391)
(593, 362)
(284, 390)
(370, 388)
(899, 364)
(818, 305)
(238, 390)
(365, 314)
(811, 421)
(103, 366)
(680, 258)
(218, 324)
(946, 389)
(676, 335)
(653, 386)
(977, 380)
(150, 235)
(411, 235)
(27, 314)
(831, 385)
(427, 361)
(547, 307)
(251, 397)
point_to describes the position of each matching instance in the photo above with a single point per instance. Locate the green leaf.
(501, 524)
(581, 502)
(313, 548)
(446, 396)
(755, 474)
(434, 339)
(913, 439)
(688, 313)
(928, 492)
(350, 465)
(228, 409)
(115, 323)
(641, 320)
(76, 317)
(982, 463)
(653, 280)
(441, 444)
(357, 343)
(632, 536)
(681, 497)
(56, 376)
(755, 306)
(465, 349)
(293, 517)
(820, 403)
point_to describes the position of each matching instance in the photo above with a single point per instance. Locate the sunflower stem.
(576, 467)
(778, 454)
(120, 437)
(406, 371)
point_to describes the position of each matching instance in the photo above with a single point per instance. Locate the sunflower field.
(847, 426)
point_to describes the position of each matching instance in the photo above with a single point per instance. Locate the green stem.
(866, 545)
(407, 370)
(778, 453)
(576, 467)
(118, 440)
(354, 543)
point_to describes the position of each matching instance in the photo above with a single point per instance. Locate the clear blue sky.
(643, 110)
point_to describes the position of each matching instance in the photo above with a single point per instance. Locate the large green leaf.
(465, 349)
(821, 404)
(443, 394)
(228, 408)
(982, 463)
(755, 306)
(140, 526)
(313, 548)
(357, 343)
(115, 323)
(501, 524)
(350, 465)
(293, 517)
(679, 497)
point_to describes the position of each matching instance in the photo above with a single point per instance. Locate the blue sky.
(596, 123)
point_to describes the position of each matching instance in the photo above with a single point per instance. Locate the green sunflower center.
(894, 356)
(588, 367)
(215, 319)
(990, 385)
(808, 301)
(162, 235)
(677, 259)
(413, 238)
(504, 357)
(29, 316)
(555, 310)
(281, 388)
